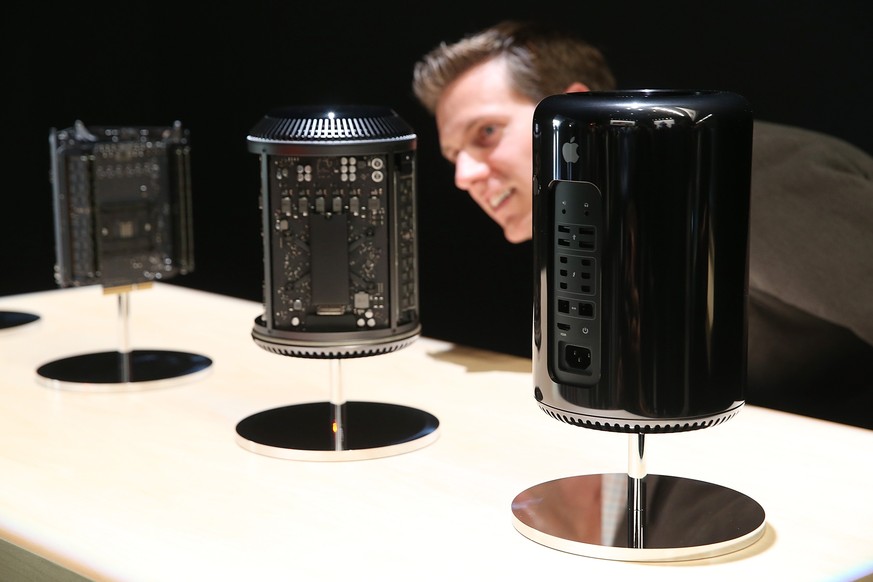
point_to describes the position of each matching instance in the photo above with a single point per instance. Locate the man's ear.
(577, 87)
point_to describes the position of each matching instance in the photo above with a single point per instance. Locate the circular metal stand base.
(13, 319)
(304, 432)
(104, 371)
(684, 519)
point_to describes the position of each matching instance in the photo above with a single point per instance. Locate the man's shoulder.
(777, 144)
(770, 130)
(810, 235)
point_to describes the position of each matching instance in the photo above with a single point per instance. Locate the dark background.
(220, 68)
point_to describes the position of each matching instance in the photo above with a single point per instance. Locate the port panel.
(575, 283)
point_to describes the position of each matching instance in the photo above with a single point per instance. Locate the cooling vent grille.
(334, 352)
(307, 124)
(641, 427)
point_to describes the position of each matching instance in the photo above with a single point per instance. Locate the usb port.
(587, 238)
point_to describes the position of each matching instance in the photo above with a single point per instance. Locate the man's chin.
(516, 235)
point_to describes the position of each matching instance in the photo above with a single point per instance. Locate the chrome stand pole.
(636, 490)
(124, 334)
(338, 405)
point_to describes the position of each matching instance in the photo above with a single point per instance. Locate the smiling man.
(482, 92)
(485, 131)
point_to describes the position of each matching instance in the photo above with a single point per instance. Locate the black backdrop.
(220, 67)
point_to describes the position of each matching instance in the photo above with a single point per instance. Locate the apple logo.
(570, 151)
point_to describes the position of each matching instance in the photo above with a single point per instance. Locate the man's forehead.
(481, 95)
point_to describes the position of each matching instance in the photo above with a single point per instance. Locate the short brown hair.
(542, 61)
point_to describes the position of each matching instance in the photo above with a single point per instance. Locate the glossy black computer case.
(641, 219)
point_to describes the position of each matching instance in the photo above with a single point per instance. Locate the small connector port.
(587, 238)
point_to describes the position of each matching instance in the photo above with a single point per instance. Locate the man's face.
(485, 131)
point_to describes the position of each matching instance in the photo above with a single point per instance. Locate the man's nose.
(469, 170)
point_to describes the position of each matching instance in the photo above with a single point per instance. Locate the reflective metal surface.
(122, 371)
(592, 515)
(13, 319)
(314, 432)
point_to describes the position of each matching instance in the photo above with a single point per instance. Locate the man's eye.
(489, 134)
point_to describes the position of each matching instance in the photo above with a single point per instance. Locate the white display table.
(151, 485)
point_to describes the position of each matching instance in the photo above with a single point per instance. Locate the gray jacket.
(810, 270)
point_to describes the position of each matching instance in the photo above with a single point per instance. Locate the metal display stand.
(638, 516)
(337, 429)
(123, 370)
(11, 320)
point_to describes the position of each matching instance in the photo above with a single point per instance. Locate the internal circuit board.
(340, 226)
(122, 202)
